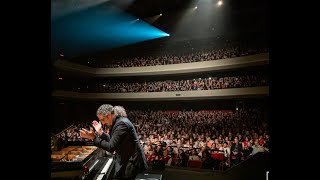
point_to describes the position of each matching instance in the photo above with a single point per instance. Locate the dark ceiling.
(243, 15)
(146, 8)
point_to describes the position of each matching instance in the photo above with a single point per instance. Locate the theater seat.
(195, 164)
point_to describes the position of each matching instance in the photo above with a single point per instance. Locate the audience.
(211, 83)
(217, 53)
(175, 137)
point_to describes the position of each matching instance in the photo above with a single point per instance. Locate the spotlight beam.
(61, 8)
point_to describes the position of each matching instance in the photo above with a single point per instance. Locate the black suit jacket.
(233, 148)
(129, 159)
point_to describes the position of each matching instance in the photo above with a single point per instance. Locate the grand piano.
(81, 162)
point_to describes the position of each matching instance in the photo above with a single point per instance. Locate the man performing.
(129, 158)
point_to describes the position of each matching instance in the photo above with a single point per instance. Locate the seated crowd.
(211, 83)
(184, 85)
(173, 52)
(221, 53)
(207, 139)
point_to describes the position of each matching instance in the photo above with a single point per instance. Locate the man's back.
(130, 158)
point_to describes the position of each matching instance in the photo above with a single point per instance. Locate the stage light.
(88, 31)
(220, 3)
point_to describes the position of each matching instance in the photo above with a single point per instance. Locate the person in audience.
(208, 161)
(236, 152)
(256, 148)
(167, 158)
(194, 155)
(247, 150)
(183, 157)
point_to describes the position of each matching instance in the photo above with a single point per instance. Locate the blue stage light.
(99, 28)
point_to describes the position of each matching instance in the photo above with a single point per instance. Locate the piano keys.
(83, 162)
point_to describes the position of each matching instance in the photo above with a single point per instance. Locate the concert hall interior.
(192, 76)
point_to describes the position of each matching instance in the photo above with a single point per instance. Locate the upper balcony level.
(203, 66)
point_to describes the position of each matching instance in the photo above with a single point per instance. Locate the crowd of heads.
(217, 54)
(219, 81)
(183, 85)
(198, 56)
(176, 137)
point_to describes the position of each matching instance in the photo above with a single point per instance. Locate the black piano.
(81, 162)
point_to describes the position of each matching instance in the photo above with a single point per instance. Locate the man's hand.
(97, 126)
(87, 134)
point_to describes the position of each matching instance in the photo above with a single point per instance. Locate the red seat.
(242, 156)
(218, 156)
(195, 164)
(175, 161)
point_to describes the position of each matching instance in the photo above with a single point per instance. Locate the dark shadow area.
(254, 168)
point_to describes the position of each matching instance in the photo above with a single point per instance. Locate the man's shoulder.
(123, 121)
